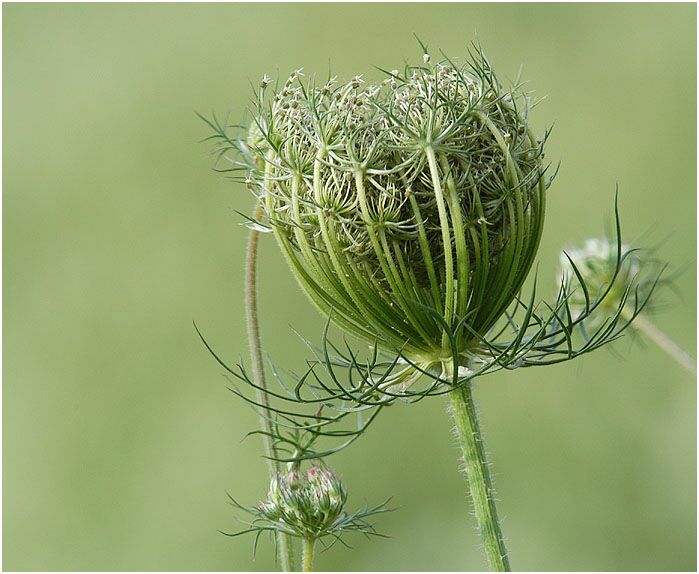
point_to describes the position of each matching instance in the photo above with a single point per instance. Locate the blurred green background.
(119, 438)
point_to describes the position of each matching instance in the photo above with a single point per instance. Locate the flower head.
(306, 503)
(410, 211)
(403, 206)
(607, 274)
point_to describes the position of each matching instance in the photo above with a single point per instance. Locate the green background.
(119, 437)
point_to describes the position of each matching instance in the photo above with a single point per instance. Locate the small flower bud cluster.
(597, 263)
(307, 503)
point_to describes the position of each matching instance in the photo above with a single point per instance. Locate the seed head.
(405, 205)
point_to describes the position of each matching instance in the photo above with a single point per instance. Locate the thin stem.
(308, 548)
(665, 343)
(258, 373)
(464, 412)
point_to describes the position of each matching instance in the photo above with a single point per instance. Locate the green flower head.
(613, 276)
(309, 504)
(406, 208)
(410, 211)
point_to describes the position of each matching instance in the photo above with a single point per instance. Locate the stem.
(308, 547)
(464, 412)
(665, 343)
(258, 374)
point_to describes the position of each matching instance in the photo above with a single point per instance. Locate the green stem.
(464, 412)
(664, 342)
(283, 543)
(308, 548)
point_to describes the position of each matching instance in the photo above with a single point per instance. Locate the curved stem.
(665, 343)
(283, 542)
(480, 485)
(308, 548)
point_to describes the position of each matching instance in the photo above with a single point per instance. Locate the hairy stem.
(284, 548)
(665, 343)
(480, 485)
(308, 548)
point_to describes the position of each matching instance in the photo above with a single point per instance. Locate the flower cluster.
(309, 506)
(613, 274)
(406, 204)
(309, 503)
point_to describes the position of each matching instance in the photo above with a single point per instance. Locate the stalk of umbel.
(479, 480)
(410, 212)
(308, 552)
(677, 353)
(283, 542)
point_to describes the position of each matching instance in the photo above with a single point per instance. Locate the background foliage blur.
(119, 438)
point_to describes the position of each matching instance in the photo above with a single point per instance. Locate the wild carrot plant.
(410, 211)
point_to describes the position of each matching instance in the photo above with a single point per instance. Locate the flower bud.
(597, 263)
(306, 503)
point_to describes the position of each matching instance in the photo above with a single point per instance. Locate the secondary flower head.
(308, 504)
(407, 208)
(613, 277)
